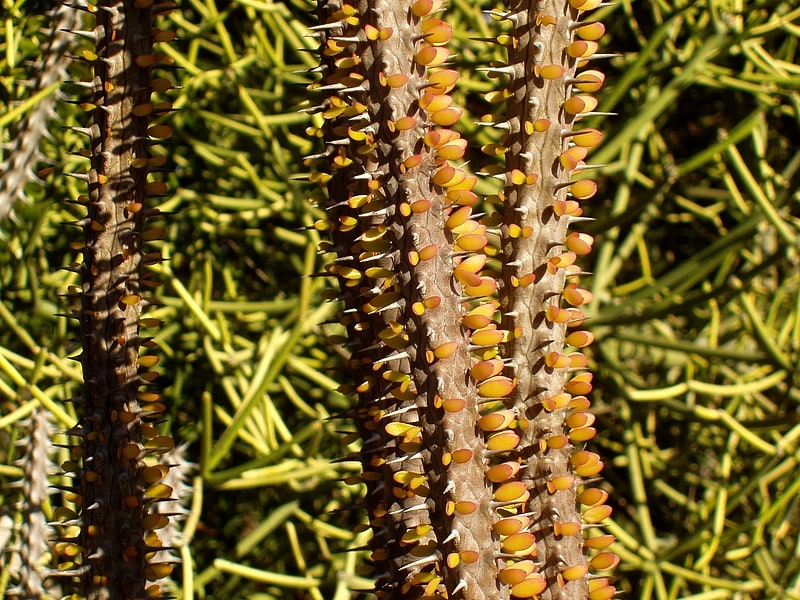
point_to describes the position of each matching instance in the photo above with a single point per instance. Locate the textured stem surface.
(537, 126)
(403, 297)
(29, 558)
(465, 389)
(17, 170)
(116, 481)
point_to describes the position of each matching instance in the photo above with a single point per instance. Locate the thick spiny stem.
(28, 558)
(466, 404)
(538, 261)
(117, 481)
(17, 170)
(400, 261)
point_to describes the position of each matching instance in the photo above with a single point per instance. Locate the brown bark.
(470, 434)
(115, 488)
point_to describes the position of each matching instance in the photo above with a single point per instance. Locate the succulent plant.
(462, 310)
(463, 313)
(112, 535)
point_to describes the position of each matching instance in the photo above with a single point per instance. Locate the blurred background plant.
(696, 279)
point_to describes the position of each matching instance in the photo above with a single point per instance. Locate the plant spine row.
(550, 78)
(28, 557)
(23, 153)
(471, 386)
(111, 536)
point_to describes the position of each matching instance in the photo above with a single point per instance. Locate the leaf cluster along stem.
(110, 539)
(471, 387)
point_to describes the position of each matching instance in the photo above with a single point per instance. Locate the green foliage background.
(697, 310)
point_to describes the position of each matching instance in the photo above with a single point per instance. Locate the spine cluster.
(463, 313)
(112, 535)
